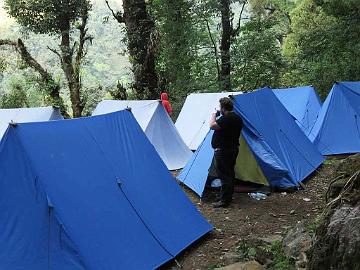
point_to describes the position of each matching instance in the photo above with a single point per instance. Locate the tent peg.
(178, 264)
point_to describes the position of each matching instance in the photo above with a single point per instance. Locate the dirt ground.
(248, 218)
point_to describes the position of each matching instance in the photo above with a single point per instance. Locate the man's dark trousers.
(225, 160)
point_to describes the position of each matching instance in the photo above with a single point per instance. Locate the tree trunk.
(225, 45)
(141, 45)
(52, 88)
(72, 77)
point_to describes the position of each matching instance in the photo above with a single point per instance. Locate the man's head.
(226, 105)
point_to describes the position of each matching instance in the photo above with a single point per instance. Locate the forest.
(74, 53)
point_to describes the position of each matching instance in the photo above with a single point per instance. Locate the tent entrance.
(247, 168)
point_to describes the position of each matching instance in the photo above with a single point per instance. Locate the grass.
(280, 261)
(247, 252)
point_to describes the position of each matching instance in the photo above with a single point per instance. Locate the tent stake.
(178, 264)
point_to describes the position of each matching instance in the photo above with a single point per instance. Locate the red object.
(165, 102)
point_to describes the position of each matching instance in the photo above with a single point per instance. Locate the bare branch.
(214, 47)
(236, 31)
(55, 51)
(118, 15)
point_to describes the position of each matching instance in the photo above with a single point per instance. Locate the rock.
(302, 262)
(270, 239)
(231, 257)
(297, 241)
(340, 241)
(252, 265)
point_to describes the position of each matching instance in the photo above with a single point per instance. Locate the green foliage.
(280, 43)
(247, 251)
(46, 16)
(257, 56)
(92, 96)
(105, 52)
(185, 61)
(280, 261)
(322, 47)
(15, 98)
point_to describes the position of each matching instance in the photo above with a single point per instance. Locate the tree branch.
(214, 47)
(8, 42)
(118, 15)
(236, 31)
(54, 88)
(56, 52)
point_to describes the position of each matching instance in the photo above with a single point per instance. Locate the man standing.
(225, 142)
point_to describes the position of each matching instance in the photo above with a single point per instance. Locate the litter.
(257, 196)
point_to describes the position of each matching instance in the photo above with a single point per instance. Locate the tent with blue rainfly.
(157, 126)
(303, 103)
(89, 193)
(26, 115)
(337, 130)
(273, 150)
(192, 122)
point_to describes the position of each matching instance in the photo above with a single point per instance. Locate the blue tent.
(303, 104)
(337, 130)
(273, 150)
(89, 193)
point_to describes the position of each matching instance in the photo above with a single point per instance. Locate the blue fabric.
(89, 193)
(302, 103)
(284, 153)
(337, 130)
(196, 171)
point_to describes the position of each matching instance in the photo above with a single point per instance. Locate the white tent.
(158, 127)
(25, 115)
(193, 120)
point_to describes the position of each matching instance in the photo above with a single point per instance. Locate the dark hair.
(226, 104)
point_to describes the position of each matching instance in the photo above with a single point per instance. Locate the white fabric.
(143, 110)
(26, 115)
(158, 127)
(193, 120)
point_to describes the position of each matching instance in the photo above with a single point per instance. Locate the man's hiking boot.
(220, 204)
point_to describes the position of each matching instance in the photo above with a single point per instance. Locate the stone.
(252, 265)
(340, 239)
(297, 241)
(302, 261)
(270, 239)
(231, 257)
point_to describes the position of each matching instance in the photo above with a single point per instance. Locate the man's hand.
(213, 124)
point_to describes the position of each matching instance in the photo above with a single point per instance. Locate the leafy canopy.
(46, 16)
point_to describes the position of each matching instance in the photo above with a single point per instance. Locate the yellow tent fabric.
(247, 168)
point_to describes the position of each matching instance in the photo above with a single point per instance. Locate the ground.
(247, 219)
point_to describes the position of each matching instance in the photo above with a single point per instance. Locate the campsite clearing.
(248, 219)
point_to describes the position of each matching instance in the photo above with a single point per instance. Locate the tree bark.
(46, 78)
(140, 30)
(225, 45)
(70, 64)
(72, 78)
